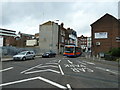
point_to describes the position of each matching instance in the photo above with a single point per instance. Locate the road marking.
(40, 78)
(48, 66)
(30, 68)
(53, 83)
(59, 61)
(52, 63)
(89, 62)
(61, 70)
(42, 71)
(108, 70)
(69, 87)
(70, 62)
(81, 62)
(6, 69)
(9, 83)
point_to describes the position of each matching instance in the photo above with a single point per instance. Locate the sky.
(26, 15)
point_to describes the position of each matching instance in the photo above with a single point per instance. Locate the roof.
(25, 34)
(105, 16)
(47, 23)
(7, 30)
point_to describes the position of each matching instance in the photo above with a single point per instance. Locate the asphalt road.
(60, 73)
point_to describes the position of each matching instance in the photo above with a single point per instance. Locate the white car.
(24, 55)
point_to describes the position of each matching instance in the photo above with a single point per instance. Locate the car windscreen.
(22, 53)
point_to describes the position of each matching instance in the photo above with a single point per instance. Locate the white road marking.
(30, 68)
(70, 62)
(53, 83)
(9, 83)
(6, 69)
(47, 66)
(59, 61)
(82, 63)
(52, 63)
(89, 62)
(108, 70)
(40, 78)
(42, 71)
(69, 87)
(61, 70)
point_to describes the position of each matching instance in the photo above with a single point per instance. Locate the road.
(60, 73)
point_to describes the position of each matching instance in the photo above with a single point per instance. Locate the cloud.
(26, 16)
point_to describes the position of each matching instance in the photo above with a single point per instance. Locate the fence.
(10, 51)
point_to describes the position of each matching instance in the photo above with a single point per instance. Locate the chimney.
(62, 24)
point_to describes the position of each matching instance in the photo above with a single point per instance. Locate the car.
(24, 55)
(49, 54)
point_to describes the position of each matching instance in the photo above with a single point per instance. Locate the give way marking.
(40, 66)
(6, 69)
(35, 78)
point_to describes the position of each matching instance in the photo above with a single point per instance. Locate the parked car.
(49, 54)
(24, 55)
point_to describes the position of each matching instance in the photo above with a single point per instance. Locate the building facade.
(62, 38)
(53, 37)
(72, 37)
(105, 34)
(84, 43)
(48, 40)
(22, 38)
(8, 37)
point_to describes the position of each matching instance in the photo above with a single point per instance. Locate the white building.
(89, 43)
(48, 40)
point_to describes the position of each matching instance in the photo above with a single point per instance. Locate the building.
(72, 37)
(82, 42)
(62, 38)
(22, 38)
(89, 43)
(48, 40)
(8, 37)
(53, 37)
(105, 34)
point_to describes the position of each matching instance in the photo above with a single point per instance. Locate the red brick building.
(82, 42)
(105, 34)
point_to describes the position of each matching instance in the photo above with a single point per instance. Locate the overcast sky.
(27, 16)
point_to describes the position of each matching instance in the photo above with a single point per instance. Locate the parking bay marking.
(6, 69)
(40, 78)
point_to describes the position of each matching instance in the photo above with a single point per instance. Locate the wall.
(49, 37)
(106, 24)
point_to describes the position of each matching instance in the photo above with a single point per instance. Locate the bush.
(115, 52)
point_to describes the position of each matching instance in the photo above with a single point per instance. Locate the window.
(101, 35)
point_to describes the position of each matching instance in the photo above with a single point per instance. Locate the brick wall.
(108, 24)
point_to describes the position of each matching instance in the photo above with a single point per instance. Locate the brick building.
(85, 43)
(105, 34)
(8, 37)
(82, 41)
(22, 38)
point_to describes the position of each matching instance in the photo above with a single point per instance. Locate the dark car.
(49, 54)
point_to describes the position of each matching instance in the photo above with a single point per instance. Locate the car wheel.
(33, 57)
(23, 58)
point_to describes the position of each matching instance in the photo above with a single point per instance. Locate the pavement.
(10, 58)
